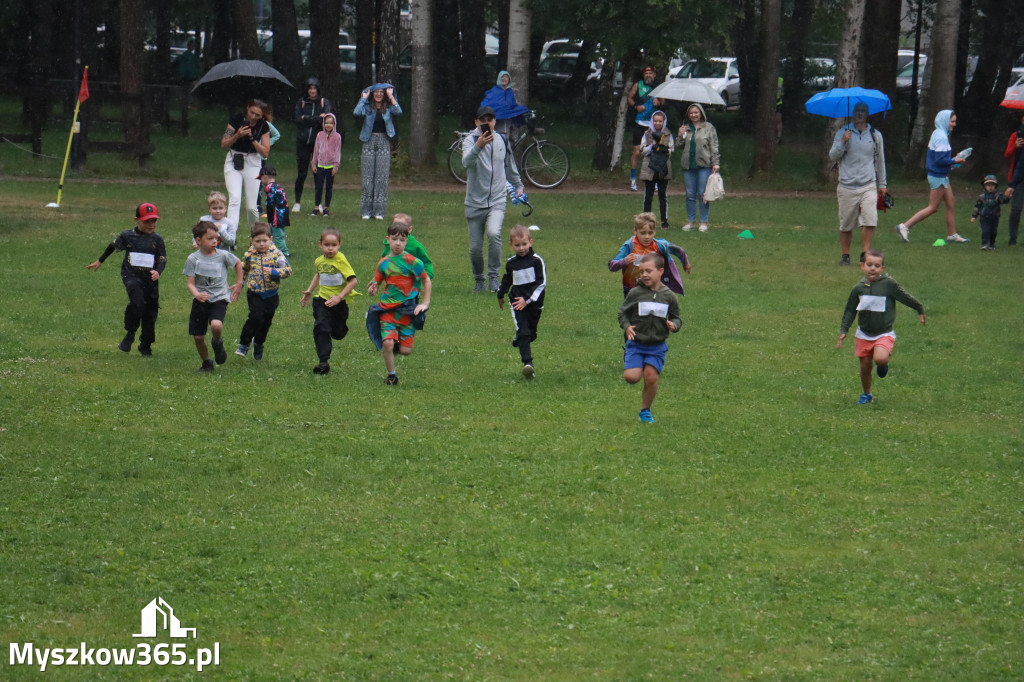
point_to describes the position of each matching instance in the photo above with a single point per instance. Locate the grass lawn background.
(470, 525)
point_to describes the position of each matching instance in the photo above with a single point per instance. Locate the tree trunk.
(504, 13)
(963, 49)
(793, 94)
(159, 109)
(473, 76)
(448, 61)
(519, 49)
(746, 61)
(388, 42)
(136, 127)
(366, 39)
(847, 73)
(245, 29)
(423, 132)
(980, 113)
(880, 46)
(611, 123)
(938, 84)
(37, 101)
(768, 83)
(219, 45)
(287, 55)
(324, 22)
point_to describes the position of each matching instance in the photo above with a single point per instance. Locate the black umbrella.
(241, 71)
(236, 81)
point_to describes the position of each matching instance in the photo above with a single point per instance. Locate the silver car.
(721, 74)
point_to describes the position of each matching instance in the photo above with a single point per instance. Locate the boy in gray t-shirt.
(207, 273)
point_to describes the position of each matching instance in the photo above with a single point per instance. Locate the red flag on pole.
(83, 92)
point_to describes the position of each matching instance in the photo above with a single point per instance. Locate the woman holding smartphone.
(247, 141)
(377, 105)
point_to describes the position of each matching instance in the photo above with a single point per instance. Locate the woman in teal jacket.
(377, 106)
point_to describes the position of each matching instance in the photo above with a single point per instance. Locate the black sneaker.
(126, 343)
(327, 212)
(219, 354)
(207, 366)
(882, 370)
(391, 380)
(322, 368)
(257, 351)
(145, 351)
(845, 260)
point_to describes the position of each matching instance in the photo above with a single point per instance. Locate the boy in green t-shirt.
(413, 246)
(335, 281)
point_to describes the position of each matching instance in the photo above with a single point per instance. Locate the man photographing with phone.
(489, 164)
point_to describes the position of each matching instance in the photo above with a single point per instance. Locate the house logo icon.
(159, 613)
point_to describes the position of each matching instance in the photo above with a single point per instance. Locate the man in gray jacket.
(489, 163)
(861, 155)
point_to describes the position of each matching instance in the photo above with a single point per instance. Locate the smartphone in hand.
(485, 128)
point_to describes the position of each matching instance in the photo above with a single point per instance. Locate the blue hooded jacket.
(502, 99)
(940, 153)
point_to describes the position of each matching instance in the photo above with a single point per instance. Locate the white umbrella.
(687, 90)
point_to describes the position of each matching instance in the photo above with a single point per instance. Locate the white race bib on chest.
(141, 260)
(524, 276)
(653, 308)
(875, 304)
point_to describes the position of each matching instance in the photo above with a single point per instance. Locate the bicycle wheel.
(455, 166)
(545, 164)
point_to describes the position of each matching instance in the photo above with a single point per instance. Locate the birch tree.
(848, 72)
(519, 49)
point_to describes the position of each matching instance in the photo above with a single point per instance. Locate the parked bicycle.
(544, 164)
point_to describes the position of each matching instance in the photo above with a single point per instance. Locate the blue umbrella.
(838, 102)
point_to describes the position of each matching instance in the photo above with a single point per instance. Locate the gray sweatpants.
(483, 221)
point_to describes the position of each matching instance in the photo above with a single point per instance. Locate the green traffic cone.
(746, 234)
(939, 242)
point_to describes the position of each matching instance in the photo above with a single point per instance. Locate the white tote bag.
(715, 188)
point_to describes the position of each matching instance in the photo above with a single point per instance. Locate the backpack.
(658, 161)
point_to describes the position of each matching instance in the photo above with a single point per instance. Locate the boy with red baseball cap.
(145, 258)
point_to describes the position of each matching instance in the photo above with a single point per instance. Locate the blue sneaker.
(865, 398)
(646, 417)
(882, 370)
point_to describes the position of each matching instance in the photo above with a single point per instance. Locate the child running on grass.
(413, 246)
(335, 284)
(277, 208)
(391, 322)
(641, 243)
(145, 258)
(263, 267)
(873, 301)
(216, 213)
(649, 313)
(525, 282)
(206, 271)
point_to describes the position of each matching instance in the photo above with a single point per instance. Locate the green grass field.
(470, 525)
